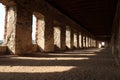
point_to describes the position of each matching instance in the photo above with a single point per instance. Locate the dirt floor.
(91, 64)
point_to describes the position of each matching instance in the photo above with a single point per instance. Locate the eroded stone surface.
(10, 29)
(57, 38)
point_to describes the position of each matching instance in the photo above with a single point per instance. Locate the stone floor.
(91, 64)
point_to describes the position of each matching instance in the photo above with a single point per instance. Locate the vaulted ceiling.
(94, 15)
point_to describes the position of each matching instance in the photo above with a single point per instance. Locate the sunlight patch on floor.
(35, 69)
(62, 54)
(53, 58)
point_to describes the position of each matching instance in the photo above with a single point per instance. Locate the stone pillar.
(72, 39)
(10, 29)
(23, 31)
(82, 40)
(87, 41)
(19, 31)
(49, 37)
(63, 37)
(44, 33)
(18, 35)
(78, 40)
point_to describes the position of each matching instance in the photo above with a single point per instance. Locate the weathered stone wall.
(63, 37)
(115, 41)
(19, 36)
(49, 35)
(40, 32)
(68, 34)
(57, 38)
(3, 50)
(72, 38)
(23, 39)
(10, 29)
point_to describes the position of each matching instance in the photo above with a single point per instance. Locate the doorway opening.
(2, 22)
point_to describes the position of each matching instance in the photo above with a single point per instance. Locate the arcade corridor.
(73, 40)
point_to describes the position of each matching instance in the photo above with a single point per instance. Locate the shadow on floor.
(91, 64)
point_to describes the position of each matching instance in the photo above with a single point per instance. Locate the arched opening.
(80, 39)
(38, 34)
(57, 35)
(75, 40)
(102, 44)
(87, 41)
(2, 22)
(34, 29)
(68, 34)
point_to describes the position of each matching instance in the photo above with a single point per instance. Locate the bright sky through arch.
(2, 21)
(33, 27)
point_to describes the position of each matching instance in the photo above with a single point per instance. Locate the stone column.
(19, 30)
(23, 31)
(86, 41)
(78, 44)
(18, 35)
(49, 37)
(82, 40)
(72, 39)
(44, 33)
(10, 29)
(63, 37)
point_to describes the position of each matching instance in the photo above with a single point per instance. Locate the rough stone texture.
(72, 39)
(75, 40)
(78, 44)
(23, 33)
(3, 49)
(63, 37)
(20, 40)
(89, 43)
(35, 48)
(57, 38)
(49, 35)
(68, 34)
(84, 41)
(81, 40)
(40, 33)
(10, 29)
(115, 41)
